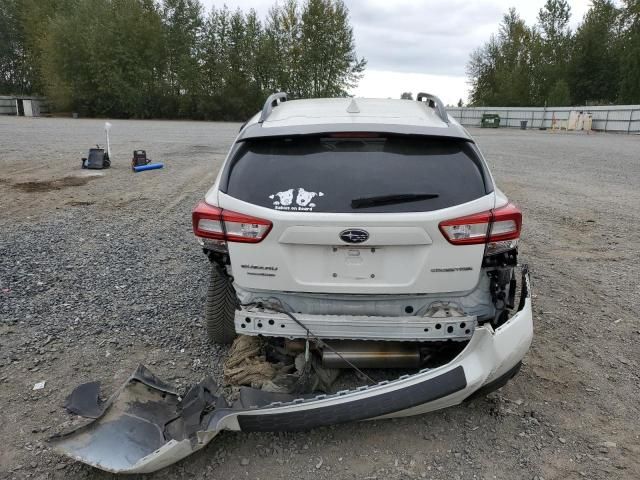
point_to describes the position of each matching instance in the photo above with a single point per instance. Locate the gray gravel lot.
(100, 273)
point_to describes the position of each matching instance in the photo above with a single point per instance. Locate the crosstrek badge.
(295, 200)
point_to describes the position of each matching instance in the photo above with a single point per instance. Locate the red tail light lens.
(506, 224)
(497, 225)
(218, 224)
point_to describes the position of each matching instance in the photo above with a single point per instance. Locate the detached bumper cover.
(145, 426)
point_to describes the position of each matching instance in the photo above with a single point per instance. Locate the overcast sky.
(420, 45)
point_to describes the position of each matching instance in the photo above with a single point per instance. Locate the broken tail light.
(499, 229)
(218, 224)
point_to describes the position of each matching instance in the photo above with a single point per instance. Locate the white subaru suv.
(363, 235)
(374, 228)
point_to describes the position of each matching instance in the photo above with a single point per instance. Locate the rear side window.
(367, 175)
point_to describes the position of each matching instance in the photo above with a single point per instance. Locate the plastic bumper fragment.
(146, 426)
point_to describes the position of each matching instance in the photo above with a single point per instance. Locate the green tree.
(553, 45)
(15, 74)
(500, 71)
(89, 64)
(163, 58)
(595, 60)
(284, 31)
(183, 29)
(483, 74)
(630, 53)
(329, 63)
(559, 94)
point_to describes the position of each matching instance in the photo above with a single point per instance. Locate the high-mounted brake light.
(354, 135)
(492, 227)
(218, 224)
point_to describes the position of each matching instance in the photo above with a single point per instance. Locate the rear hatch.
(356, 214)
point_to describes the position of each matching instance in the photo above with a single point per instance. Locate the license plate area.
(355, 263)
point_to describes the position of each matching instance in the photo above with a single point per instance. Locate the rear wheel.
(220, 307)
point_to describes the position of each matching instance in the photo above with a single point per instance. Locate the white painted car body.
(302, 259)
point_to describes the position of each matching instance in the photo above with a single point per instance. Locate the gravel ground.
(100, 273)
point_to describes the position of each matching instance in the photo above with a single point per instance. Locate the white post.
(107, 127)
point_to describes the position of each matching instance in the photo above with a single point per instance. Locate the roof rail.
(437, 105)
(273, 101)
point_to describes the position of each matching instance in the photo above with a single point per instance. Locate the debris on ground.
(247, 364)
(84, 400)
(255, 362)
(144, 426)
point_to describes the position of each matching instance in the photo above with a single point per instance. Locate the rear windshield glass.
(367, 175)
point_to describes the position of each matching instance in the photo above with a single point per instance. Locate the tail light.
(499, 229)
(218, 224)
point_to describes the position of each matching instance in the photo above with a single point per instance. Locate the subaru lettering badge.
(354, 235)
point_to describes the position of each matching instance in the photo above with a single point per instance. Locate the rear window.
(367, 175)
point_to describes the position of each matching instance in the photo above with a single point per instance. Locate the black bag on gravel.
(97, 159)
(139, 158)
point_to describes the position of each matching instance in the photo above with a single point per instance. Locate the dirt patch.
(40, 186)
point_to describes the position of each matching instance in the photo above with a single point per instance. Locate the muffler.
(367, 354)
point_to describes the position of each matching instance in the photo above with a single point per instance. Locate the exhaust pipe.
(367, 354)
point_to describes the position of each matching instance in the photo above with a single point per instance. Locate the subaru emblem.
(354, 235)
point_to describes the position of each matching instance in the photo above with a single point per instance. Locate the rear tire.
(220, 307)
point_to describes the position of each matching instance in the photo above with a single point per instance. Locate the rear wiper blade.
(391, 199)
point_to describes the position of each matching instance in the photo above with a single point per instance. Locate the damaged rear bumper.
(145, 426)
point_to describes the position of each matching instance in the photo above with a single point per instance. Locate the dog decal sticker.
(284, 198)
(303, 200)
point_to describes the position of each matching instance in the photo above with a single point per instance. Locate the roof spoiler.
(273, 101)
(435, 103)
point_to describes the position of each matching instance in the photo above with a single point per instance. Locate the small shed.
(23, 106)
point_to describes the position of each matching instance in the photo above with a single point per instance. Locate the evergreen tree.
(553, 44)
(594, 64)
(630, 53)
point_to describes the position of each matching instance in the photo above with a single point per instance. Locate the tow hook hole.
(462, 325)
(426, 329)
(260, 325)
(282, 325)
(449, 329)
(243, 325)
(438, 326)
(408, 309)
(271, 322)
(248, 320)
(467, 331)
